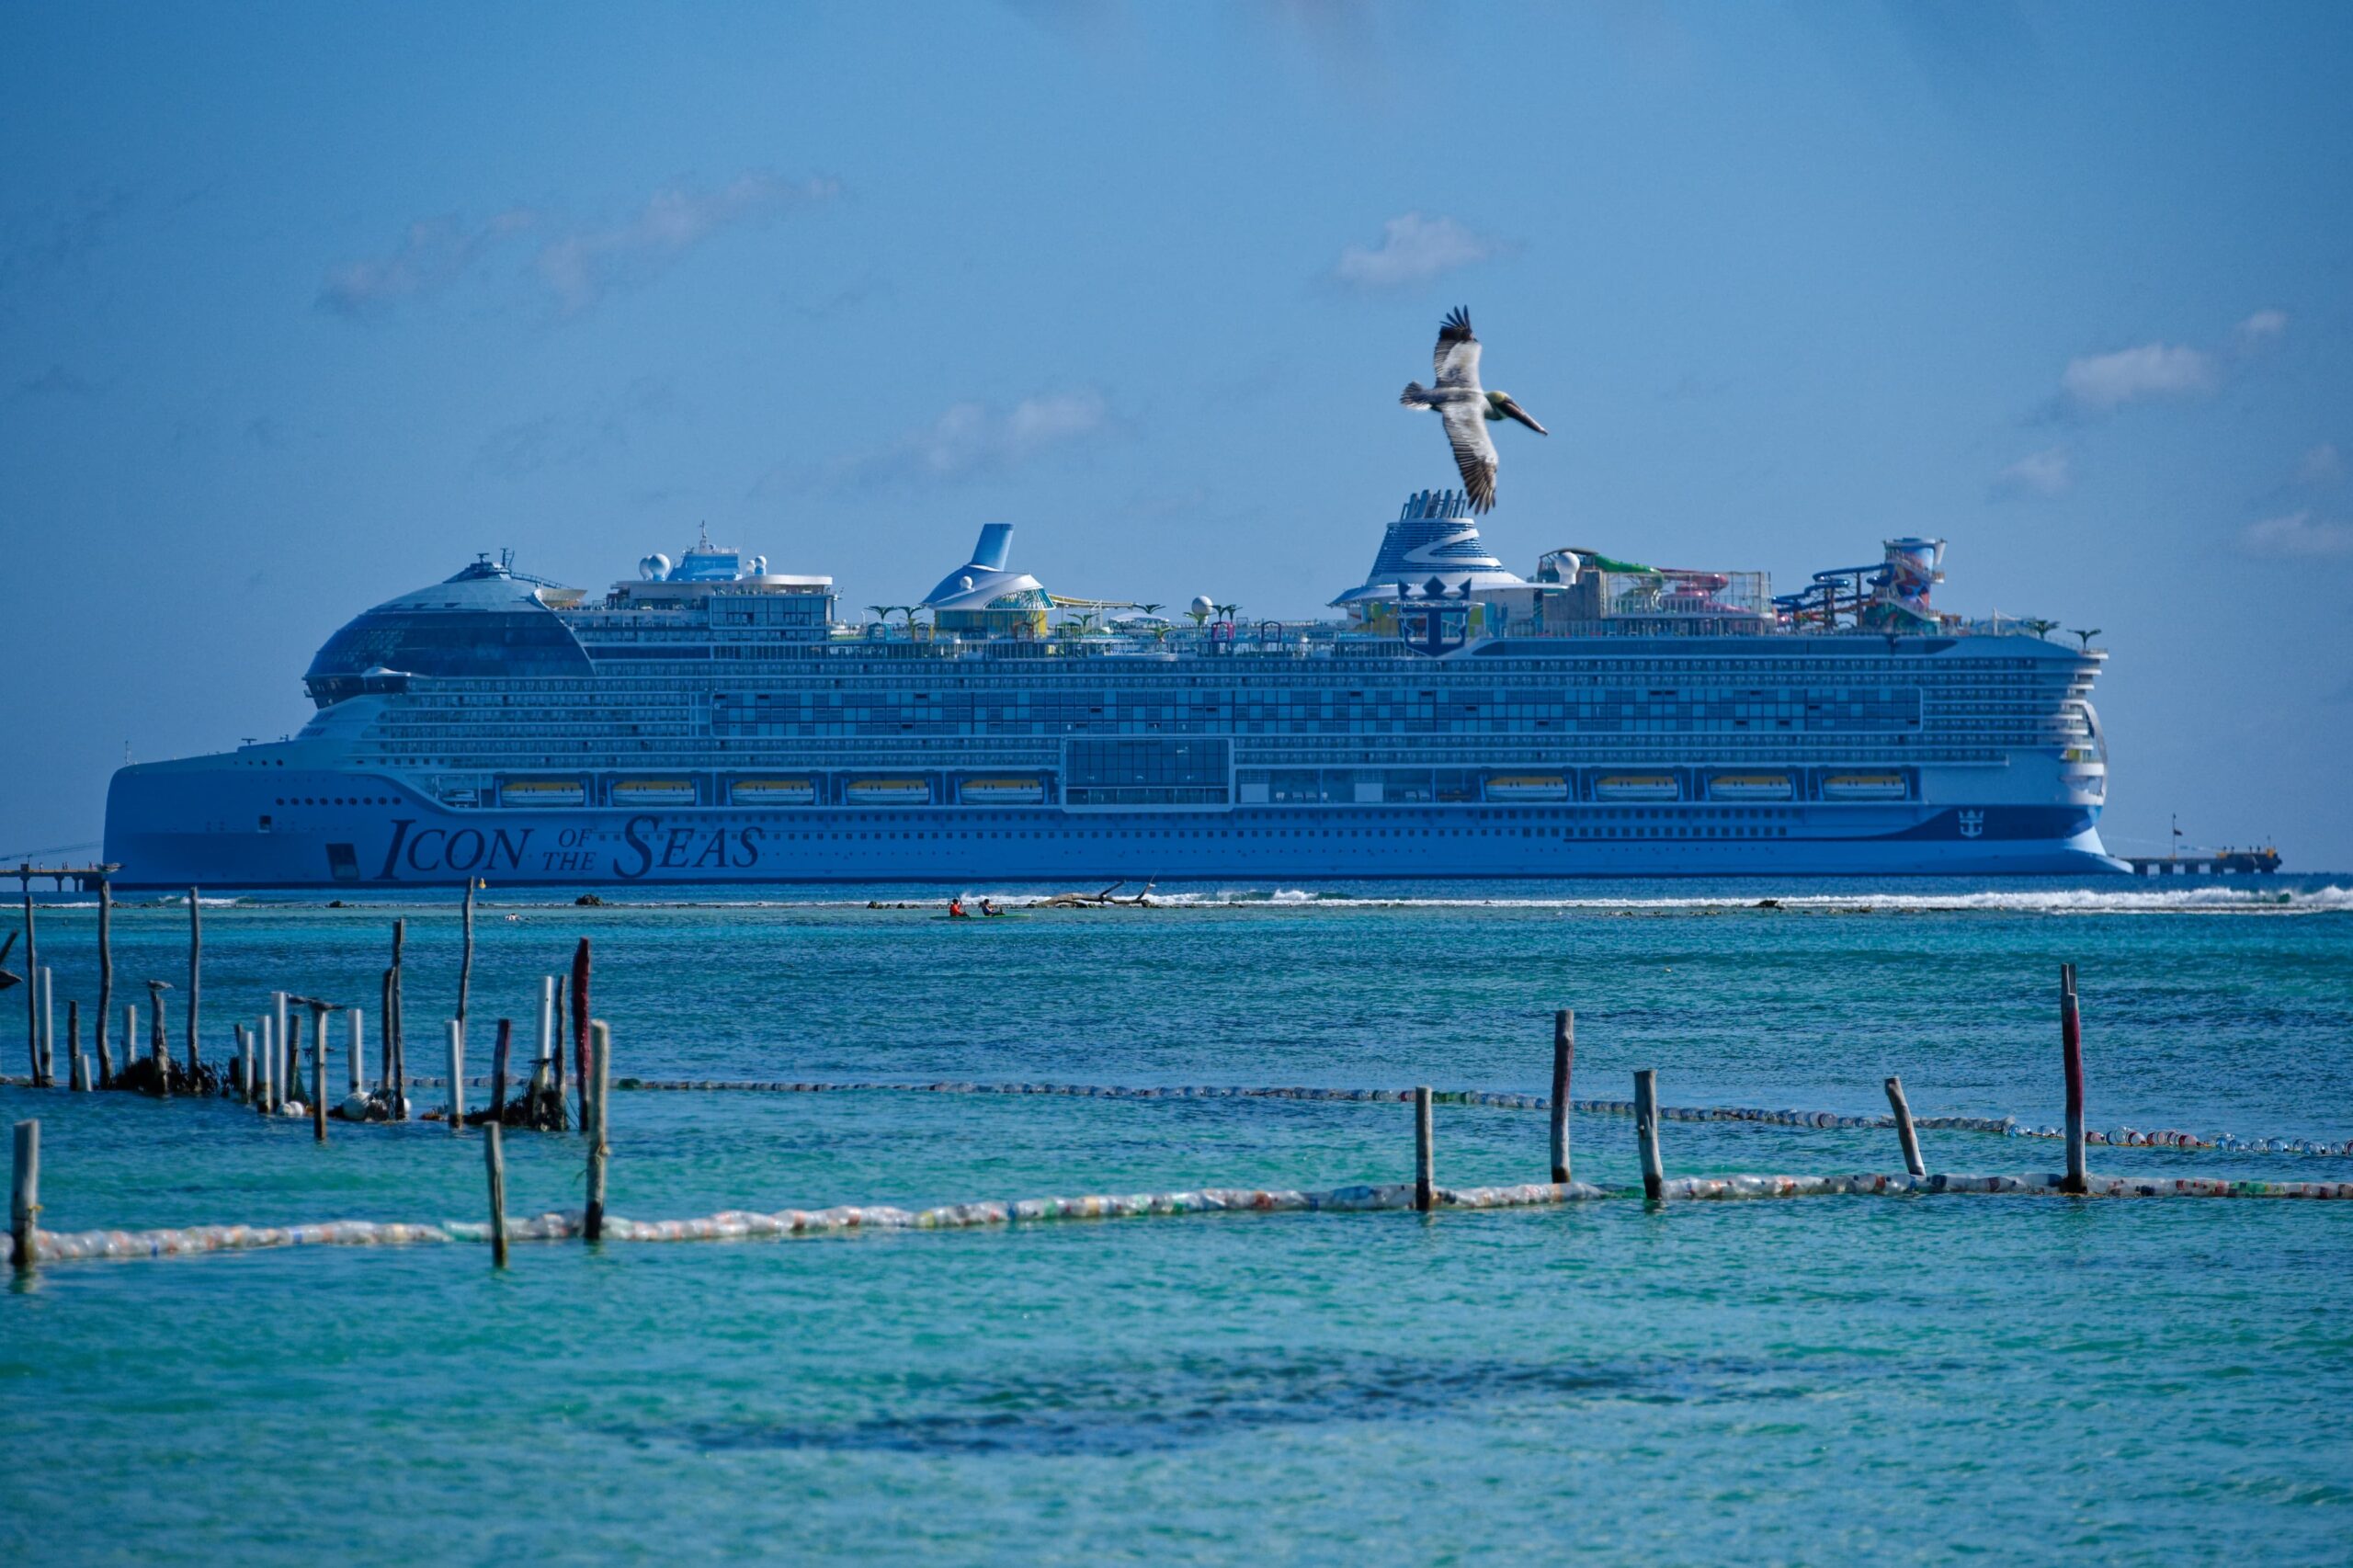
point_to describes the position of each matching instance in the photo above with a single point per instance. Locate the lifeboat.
(1003, 791)
(773, 792)
(654, 792)
(1864, 787)
(1528, 787)
(890, 793)
(1636, 787)
(543, 792)
(1749, 786)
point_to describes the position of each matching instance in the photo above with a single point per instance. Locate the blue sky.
(301, 307)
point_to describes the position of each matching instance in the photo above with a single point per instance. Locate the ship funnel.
(995, 547)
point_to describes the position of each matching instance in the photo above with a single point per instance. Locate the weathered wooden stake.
(1564, 1055)
(580, 1024)
(266, 1054)
(560, 1051)
(290, 1051)
(1646, 1132)
(600, 1051)
(466, 963)
(244, 1082)
(319, 1072)
(384, 1035)
(396, 1030)
(158, 1043)
(2071, 1041)
(23, 1195)
(355, 1023)
(45, 982)
(32, 987)
(281, 1013)
(106, 984)
(457, 1075)
(494, 1156)
(77, 1068)
(195, 974)
(1904, 1132)
(1424, 1157)
(498, 1069)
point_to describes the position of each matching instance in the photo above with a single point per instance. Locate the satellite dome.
(655, 567)
(1202, 605)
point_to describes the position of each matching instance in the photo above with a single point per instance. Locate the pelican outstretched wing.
(1475, 453)
(1458, 352)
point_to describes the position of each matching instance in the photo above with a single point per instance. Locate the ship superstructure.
(712, 721)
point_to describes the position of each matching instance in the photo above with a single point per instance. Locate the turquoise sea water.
(1818, 1381)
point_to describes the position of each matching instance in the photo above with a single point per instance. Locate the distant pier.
(2206, 863)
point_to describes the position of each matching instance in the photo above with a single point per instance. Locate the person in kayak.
(956, 910)
(990, 911)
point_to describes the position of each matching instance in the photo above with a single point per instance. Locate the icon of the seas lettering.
(425, 851)
(650, 846)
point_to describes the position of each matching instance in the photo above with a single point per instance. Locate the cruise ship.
(710, 720)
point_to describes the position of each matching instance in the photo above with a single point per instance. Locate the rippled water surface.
(1819, 1380)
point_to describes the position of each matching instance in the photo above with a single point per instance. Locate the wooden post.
(466, 963)
(396, 1030)
(77, 1071)
(23, 1195)
(2071, 1041)
(1564, 1055)
(1904, 1132)
(319, 1011)
(106, 984)
(45, 982)
(457, 1075)
(494, 1158)
(1424, 1158)
(266, 1054)
(195, 974)
(158, 1046)
(290, 1053)
(498, 1070)
(355, 1042)
(599, 1073)
(32, 982)
(546, 1073)
(244, 1068)
(580, 1024)
(287, 1083)
(384, 1036)
(560, 1051)
(1646, 1132)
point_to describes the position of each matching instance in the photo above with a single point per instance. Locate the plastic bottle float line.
(739, 1225)
(2003, 1126)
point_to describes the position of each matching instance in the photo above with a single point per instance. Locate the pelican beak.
(1513, 411)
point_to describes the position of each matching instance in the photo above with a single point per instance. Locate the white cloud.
(434, 252)
(2297, 536)
(2051, 471)
(2264, 327)
(579, 263)
(1413, 249)
(586, 265)
(2322, 465)
(971, 439)
(2103, 381)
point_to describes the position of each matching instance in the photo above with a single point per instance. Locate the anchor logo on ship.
(1973, 825)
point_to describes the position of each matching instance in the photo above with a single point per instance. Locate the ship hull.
(174, 826)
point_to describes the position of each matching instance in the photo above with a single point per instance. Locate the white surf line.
(742, 1225)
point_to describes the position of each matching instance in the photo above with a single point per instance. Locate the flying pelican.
(1466, 409)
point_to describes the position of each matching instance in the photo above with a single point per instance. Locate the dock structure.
(2207, 863)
